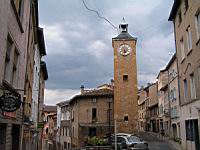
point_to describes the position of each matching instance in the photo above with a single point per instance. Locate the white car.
(129, 142)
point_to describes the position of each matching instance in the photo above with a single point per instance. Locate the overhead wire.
(98, 14)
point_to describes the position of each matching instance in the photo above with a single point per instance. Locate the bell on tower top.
(123, 27)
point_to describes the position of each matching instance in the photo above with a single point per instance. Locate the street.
(155, 143)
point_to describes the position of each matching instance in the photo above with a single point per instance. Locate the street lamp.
(109, 118)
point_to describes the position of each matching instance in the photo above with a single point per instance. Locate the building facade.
(125, 78)
(163, 103)
(185, 15)
(64, 126)
(18, 41)
(91, 115)
(152, 108)
(49, 130)
(142, 108)
(174, 98)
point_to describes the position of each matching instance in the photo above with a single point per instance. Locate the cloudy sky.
(79, 46)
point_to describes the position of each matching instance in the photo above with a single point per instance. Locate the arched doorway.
(174, 129)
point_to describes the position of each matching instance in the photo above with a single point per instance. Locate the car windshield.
(133, 139)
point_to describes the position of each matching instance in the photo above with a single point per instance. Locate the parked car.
(129, 142)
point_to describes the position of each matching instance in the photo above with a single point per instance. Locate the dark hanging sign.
(9, 101)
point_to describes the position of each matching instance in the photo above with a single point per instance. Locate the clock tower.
(125, 78)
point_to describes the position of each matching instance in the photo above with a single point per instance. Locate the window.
(109, 114)
(186, 5)
(199, 74)
(8, 58)
(67, 132)
(94, 100)
(191, 127)
(73, 132)
(21, 9)
(173, 94)
(179, 17)
(198, 25)
(185, 89)
(189, 38)
(94, 113)
(65, 145)
(182, 49)
(126, 118)
(92, 131)
(192, 87)
(15, 66)
(125, 77)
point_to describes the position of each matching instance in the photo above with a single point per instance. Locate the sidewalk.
(176, 145)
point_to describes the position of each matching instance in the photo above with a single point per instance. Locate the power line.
(101, 17)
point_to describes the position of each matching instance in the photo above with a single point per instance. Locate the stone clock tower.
(125, 78)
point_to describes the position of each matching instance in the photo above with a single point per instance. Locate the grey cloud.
(80, 52)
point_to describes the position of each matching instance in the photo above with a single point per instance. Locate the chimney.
(112, 83)
(82, 89)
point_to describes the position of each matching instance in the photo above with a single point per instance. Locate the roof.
(124, 35)
(49, 108)
(174, 10)
(162, 70)
(44, 69)
(94, 93)
(63, 103)
(41, 42)
(171, 61)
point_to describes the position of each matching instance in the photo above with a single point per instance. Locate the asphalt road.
(155, 143)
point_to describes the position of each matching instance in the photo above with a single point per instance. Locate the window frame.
(182, 48)
(197, 25)
(185, 89)
(193, 93)
(189, 39)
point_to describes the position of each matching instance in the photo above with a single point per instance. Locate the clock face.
(124, 49)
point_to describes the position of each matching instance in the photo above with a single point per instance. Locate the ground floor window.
(92, 131)
(191, 126)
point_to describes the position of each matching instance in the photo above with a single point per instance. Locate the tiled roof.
(124, 35)
(94, 93)
(63, 103)
(49, 108)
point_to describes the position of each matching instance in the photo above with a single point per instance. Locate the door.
(2, 136)
(196, 134)
(15, 136)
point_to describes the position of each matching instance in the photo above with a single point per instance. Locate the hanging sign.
(9, 101)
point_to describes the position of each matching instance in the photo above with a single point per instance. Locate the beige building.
(142, 108)
(19, 37)
(125, 77)
(163, 103)
(152, 108)
(63, 141)
(91, 115)
(173, 97)
(185, 15)
(49, 129)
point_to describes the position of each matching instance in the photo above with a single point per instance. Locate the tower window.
(125, 77)
(126, 118)
(94, 113)
(94, 100)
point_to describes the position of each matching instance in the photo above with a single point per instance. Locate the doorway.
(174, 127)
